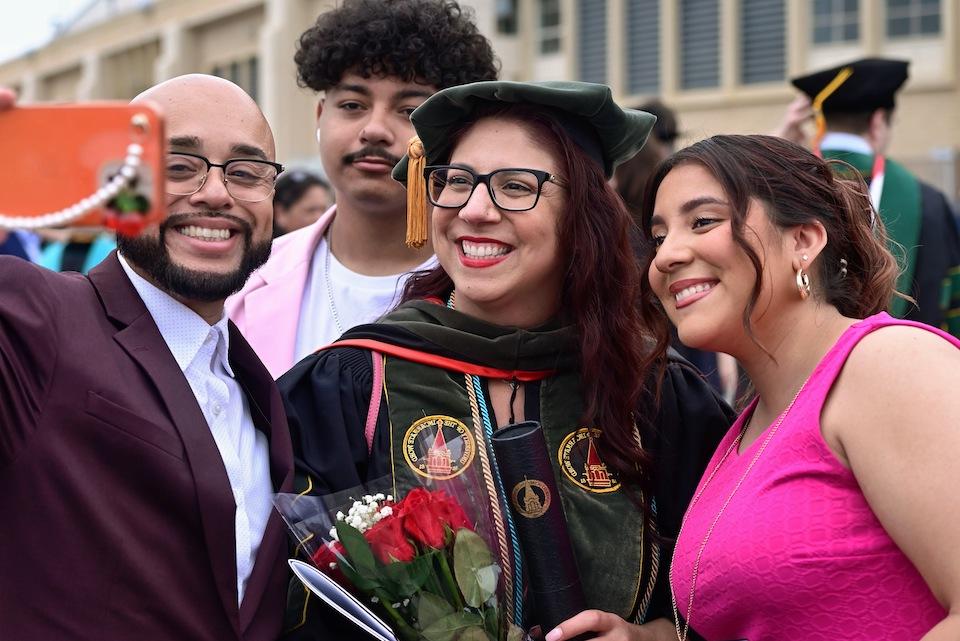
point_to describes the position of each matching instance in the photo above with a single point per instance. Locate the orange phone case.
(54, 156)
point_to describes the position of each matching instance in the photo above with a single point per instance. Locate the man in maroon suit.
(141, 439)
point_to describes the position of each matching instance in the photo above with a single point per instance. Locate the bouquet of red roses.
(419, 561)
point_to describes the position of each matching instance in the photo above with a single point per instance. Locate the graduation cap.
(606, 132)
(859, 86)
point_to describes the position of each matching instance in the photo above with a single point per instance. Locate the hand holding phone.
(98, 164)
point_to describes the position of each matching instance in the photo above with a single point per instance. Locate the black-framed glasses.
(247, 179)
(510, 189)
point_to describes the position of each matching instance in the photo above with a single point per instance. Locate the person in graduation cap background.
(531, 314)
(853, 106)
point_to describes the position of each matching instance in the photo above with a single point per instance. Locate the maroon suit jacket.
(116, 514)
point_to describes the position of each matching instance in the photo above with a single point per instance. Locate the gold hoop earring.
(803, 283)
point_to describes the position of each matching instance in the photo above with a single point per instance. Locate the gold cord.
(494, 500)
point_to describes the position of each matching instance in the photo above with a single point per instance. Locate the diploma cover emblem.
(438, 447)
(531, 499)
(581, 463)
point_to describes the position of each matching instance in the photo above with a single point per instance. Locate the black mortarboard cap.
(858, 86)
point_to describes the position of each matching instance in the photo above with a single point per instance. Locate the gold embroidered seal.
(580, 461)
(438, 447)
(531, 499)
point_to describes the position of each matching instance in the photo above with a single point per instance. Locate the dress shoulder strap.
(825, 374)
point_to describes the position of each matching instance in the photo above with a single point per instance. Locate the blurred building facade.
(723, 64)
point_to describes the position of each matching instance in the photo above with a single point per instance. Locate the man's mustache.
(370, 152)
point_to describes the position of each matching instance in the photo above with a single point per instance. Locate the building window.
(906, 18)
(763, 41)
(643, 46)
(244, 73)
(549, 26)
(699, 44)
(507, 17)
(836, 21)
(592, 52)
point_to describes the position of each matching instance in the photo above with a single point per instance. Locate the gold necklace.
(696, 565)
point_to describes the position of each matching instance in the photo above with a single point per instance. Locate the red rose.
(325, 558)
(427, 515)
(389, 542)
(451, 512)
(422, 520)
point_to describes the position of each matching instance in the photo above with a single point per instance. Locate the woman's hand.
(597, 624)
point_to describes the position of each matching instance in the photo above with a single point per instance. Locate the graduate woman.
(829, 510)
(532, 314)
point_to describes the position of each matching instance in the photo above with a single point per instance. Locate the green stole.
(900, 210)
(606, 528)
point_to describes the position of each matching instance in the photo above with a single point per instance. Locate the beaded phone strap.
(124, 178)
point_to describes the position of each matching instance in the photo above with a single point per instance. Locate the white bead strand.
(126, 175)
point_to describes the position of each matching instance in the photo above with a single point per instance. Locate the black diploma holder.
(528, 480)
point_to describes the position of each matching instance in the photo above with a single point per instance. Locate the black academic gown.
(939, 253)
(327, 396)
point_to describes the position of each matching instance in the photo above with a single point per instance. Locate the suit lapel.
(141, 339)
(269, 417)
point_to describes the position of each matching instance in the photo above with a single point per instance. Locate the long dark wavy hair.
(795, 187)
(601, 285)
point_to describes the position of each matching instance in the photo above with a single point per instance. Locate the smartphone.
(82, 165)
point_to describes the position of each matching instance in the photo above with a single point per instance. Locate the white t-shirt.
(357, 299)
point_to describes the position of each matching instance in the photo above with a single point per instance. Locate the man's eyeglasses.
(246, 179)
(510, 189)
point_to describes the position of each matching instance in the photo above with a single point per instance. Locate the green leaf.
(474, 634)
(447, 628)
(358, 551)
(407, 578)
(491, 621)
(361, 582)
(474, 568)
(514, 633)
(431, 608)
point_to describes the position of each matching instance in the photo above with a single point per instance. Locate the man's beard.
(150, 254)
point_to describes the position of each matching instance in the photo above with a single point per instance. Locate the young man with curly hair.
(374, 62)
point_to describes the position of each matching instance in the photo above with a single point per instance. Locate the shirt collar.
(840, 141)
(182, 329)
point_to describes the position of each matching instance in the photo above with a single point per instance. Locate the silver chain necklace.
(326, 279)
(682, 634)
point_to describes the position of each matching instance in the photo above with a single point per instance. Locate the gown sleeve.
(327, 397)
(691, 420)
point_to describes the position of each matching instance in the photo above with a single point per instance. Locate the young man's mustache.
(370, 152)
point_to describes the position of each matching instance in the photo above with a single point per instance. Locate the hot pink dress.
(798, 553)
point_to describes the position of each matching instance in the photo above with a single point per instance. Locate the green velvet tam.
(605, 131)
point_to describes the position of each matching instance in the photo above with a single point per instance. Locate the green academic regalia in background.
(923, 231)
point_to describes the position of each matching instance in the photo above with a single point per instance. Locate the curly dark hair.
(434, 42)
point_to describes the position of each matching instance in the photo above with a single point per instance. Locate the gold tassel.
(416, 195)
(817, 106)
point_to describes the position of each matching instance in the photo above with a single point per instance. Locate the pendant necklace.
(682, 635)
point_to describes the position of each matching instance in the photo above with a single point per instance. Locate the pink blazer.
(267, 309)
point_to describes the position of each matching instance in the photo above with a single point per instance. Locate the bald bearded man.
(141, 440)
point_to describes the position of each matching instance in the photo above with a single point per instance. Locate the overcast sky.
(28, 24)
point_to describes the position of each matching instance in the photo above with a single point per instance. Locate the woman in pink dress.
(829, 511)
